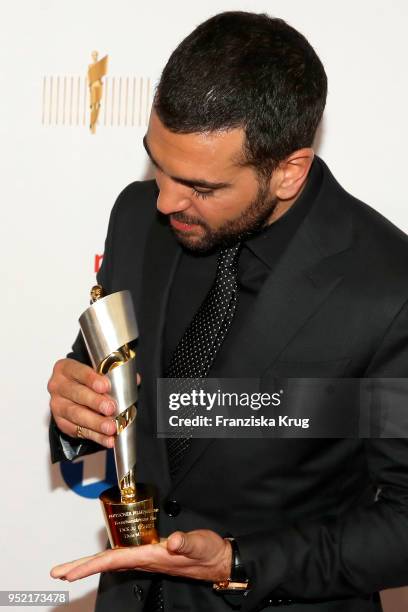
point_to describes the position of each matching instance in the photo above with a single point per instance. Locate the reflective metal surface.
(123, 384)
(108, 324)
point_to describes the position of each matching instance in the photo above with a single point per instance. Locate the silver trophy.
(109, 328)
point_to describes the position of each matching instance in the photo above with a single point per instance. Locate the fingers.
(82, 395)
(79, 398)
(109, 560)
(79, 383)
(176, 542)
(59, 571)
(193, 545)
(85, 375)
(78, 414)
(205, 549)
(68, 428)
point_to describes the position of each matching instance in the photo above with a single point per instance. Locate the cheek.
(216, 211)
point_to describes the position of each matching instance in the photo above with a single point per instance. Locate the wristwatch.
(238, 580)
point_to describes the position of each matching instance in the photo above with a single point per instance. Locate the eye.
(202, 194)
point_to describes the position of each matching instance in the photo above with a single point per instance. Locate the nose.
(172, 199)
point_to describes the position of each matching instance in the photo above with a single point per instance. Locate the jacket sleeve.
(357, 553)
(64, 447)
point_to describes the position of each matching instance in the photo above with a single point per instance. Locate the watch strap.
(238, 580)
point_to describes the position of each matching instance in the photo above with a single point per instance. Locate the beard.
(249, 223)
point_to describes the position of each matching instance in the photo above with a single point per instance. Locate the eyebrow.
(184, 181)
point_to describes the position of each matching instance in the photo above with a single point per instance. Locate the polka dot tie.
(200, 342)
(193, 358)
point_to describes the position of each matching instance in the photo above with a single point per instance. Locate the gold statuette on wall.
(96, 71)
(109, 328)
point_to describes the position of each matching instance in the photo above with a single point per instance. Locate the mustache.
(183, 218)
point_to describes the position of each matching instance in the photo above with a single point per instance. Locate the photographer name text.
(251, 421)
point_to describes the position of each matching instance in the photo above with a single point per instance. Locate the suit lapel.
(300, 283)
(160, 262)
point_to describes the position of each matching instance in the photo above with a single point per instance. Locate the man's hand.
(79, 396)
(200, 554)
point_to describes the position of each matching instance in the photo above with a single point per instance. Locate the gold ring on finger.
(79, 432)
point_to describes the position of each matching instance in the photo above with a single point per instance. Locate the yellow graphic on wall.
(96, 99)
(96, 71)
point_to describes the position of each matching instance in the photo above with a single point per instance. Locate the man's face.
(210, 198)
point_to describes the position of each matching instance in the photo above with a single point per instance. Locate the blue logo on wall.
(72, 473)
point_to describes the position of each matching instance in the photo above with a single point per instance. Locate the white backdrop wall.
(59, 182)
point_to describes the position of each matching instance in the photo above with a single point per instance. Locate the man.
(247, 232)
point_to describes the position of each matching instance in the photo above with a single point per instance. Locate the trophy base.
(130, 523)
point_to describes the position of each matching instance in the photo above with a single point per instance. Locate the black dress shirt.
(259, 254)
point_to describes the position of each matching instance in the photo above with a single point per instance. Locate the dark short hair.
(246, 70)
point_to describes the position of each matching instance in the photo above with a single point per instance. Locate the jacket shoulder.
(136, 203)
(381, 252)
(131, 218)
(378, 239)
(382, 246)
(375, 227)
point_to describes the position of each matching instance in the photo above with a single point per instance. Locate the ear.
(292, 173)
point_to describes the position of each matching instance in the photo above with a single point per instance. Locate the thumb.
(188, 544)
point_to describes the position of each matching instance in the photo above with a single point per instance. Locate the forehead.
(215, 152)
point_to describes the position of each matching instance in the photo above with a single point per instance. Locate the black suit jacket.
(315, 519)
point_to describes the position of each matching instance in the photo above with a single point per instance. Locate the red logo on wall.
(98, 262)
